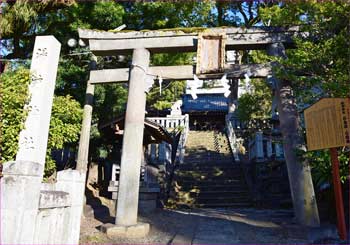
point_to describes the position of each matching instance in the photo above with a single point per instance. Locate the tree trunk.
(219, 7)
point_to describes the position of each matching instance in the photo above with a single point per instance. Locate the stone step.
(214, 205)
(212, 194)
(212, 172)
(202, 200)
(204, 150)
(210, 179)
(217, 188)
(191, 182)
(222, 171)
(202, 163)
(209, 170)
(204, 159)
(231, 205)
(209, 166)
(209, 143)
(205, 153)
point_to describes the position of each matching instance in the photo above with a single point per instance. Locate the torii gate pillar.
(128, 193)
(299, 173)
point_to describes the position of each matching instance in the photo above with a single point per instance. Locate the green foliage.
(17, 18)
(102, 15)
(322, 56)
(66, 117)
(162, 14)
(110, 102)
(171, 92)
(23, 19)
(320, 163)
(161, 105)
(257, 104)
(14, 93)
(72, 75)
(107, 15)
(165, 59)
(65, 124)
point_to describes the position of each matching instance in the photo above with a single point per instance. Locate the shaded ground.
(209, 226)
(199, 226)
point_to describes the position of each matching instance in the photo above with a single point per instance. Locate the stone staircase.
(209, 177)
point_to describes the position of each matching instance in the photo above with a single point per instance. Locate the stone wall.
(40, 213)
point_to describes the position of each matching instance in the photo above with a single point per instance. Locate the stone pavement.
(212, 226)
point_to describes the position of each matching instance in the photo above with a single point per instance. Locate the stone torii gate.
(144, 43)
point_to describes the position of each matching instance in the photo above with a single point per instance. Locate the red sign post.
(338, 194)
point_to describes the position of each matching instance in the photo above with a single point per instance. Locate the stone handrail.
(263, 148)
(170, 122)
(183, 139)
(252, 149)
(232, 138)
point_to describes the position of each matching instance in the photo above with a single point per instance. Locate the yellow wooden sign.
(210, 52)
(327, 124)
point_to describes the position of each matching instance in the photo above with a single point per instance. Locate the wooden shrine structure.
(211, 45)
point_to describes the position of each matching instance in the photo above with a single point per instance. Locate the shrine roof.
(205, 103)
(153, 132)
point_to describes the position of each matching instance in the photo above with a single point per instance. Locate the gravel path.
(208, 226)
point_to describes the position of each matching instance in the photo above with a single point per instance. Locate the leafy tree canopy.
(322, 55)
(65, 120)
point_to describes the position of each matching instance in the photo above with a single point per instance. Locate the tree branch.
(240, 8)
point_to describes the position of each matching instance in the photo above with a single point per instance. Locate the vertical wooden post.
(338, 194)
(83, 152)
(299, 173)
(128, 193)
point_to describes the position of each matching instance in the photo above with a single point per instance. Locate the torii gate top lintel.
(184, 39)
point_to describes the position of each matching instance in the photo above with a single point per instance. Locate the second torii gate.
(210, 65)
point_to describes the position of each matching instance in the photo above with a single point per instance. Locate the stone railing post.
(259, 145)
(19, 196)
(72, 182)
(153, 152)
(269, 148)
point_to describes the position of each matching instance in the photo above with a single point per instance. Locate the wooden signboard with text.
(327, 124)
(210, 53)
